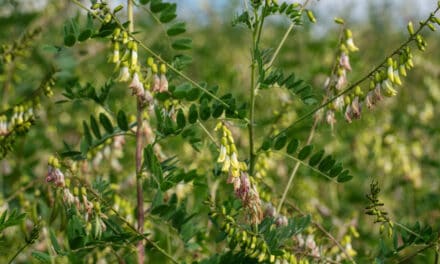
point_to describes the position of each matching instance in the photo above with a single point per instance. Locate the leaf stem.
(295, 169)
(18, 252)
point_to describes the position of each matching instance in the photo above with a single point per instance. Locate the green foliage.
(11, 219)
(210, 155)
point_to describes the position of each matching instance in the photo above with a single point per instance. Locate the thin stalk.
(286, 34)
(139, 187)
(312, 130)
(256, 36)
(18, 252)
(252, 120)
(295, 169)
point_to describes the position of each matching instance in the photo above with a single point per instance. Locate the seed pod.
(311, 16)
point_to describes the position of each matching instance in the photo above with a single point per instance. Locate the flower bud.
(118, 8)
(163, 68)
(311, 16)
(339, 20)
(410, 28)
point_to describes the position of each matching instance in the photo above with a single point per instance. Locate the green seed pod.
(118, 8)
(339, 21)
(231, 231)
(107, 19)
(244, 236)
(311, 16)
(96, 6)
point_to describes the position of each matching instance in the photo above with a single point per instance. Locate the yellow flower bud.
(311, 16)
(410, 28)
(163, 68)
(339, 20)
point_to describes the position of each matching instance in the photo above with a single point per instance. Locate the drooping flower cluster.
(383, 82)
(77, 198)
(142, 82)
(338, 81)
(244, 189)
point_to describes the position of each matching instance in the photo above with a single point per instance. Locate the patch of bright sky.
(355, 11)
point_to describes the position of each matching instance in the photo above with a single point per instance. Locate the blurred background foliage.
(398, 142)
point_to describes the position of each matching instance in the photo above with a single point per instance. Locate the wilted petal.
(163, 87)
(156, 83)
(348, 114)
(356, 108)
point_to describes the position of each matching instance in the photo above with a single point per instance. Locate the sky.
(325, 10)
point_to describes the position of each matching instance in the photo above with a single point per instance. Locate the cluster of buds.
(251, 244)
(375, 209)
(280, 220)
(244, 189)
(228, 153)
(48, 85)
(102, 10)
(20, 121)
(309, 245)
(339, 79)
(76, 198)
(20, 47)
(125, 56)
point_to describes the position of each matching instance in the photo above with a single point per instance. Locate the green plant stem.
(18, 252)
(256, 37)
(252, 120)
(405, 259)
(284, 38)
(129, 225)
(295, 169)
